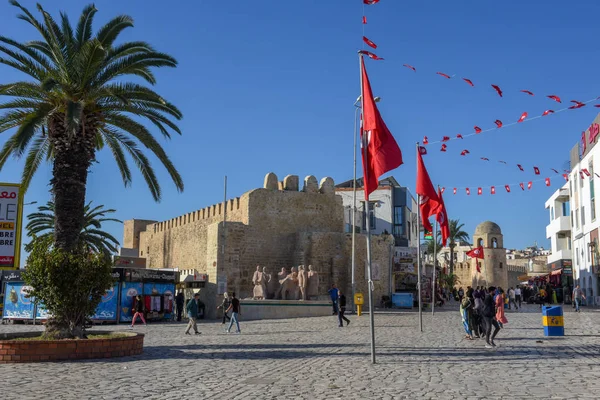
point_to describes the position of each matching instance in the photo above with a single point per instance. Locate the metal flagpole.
(419, 257)
(354, 213)
(370, 281)
(435, 229)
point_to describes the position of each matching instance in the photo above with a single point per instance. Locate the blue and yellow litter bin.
(552, 319)
(359, 301)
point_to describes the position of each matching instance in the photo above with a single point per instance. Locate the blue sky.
(269, 86)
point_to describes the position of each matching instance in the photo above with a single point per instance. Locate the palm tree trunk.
(451, 259)
(73, 155)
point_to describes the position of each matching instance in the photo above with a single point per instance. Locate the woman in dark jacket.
(139, 310)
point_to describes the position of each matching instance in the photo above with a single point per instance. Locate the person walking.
(488, 318)
(139, 310)
(334, 294)
(461, 294)
(465, 306)
(236, 310)
(500, 317)
(577, 296)
(518, 296)
(342, 309)
(192, 312)
(179, 301)
(512, 298)
(225, 305)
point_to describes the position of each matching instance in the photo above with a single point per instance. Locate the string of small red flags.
(467, 153)
(508, 188)
(498, 90)
(365, 39)
(498, 124)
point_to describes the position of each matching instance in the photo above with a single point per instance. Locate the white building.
(559, 231)
(579, 212)
(393, 210)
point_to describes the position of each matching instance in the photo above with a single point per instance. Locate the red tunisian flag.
(476, 253)
(442, 219)
(380, 152)
(430, 202)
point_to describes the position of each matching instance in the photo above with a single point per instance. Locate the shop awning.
(557, 272)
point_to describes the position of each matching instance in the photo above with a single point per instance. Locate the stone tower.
(493, 267)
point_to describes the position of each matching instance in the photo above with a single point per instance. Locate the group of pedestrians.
(194, 307)
(338, 301)
(482, 313)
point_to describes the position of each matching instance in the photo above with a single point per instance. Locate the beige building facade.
(277, 226)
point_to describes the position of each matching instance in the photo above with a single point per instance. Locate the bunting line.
(467, 153)
(479, 130)
(497, 88)
(494, 189)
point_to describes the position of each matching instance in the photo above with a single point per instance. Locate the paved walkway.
(314, 359)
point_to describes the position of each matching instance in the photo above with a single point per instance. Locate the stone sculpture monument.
(302, 282)
(260, 284)
(312, 286)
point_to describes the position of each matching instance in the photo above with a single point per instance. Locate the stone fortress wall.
(277, 226)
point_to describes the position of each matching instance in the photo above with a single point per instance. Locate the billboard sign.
(11, 208)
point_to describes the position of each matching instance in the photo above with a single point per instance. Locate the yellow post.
(359, 301)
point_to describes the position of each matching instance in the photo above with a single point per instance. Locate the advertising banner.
(11, 206)
(107, 309)
(128, 291)
(17, 304)
(41, 312)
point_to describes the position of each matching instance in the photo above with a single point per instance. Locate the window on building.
(589, 253)
(398, 218)
(569, 243)
(577, 219)
(576, 256)
(494, 243)
(371, 216)
(479, 242)
(408, 230)
(500, 265)
(551, 214)
(592, 192)
(570, 188)
(582, 216)
(566, 209)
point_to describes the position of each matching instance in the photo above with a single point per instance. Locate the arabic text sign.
(9, 225)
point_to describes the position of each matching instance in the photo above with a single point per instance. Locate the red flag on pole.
(476, 252)
(493, 190)
(547, 181)
(430, 202)
(442, 219)
(380, 150)
(468, 191)
(479, 191)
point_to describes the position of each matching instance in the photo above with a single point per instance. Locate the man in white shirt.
(518, 295)
(511, 298)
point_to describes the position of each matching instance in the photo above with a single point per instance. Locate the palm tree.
(449, 281)
(430, 248)
(92, 237)
(457, 235)
(78, 101)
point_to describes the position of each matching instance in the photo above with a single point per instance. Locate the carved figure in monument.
(312, 287)
(260, 284)
(268, 283)
(289, 285)
(302, 282)
(281, 277)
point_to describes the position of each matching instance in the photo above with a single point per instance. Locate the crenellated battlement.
(203, 214)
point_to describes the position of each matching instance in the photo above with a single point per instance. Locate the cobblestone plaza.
(314, 359)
